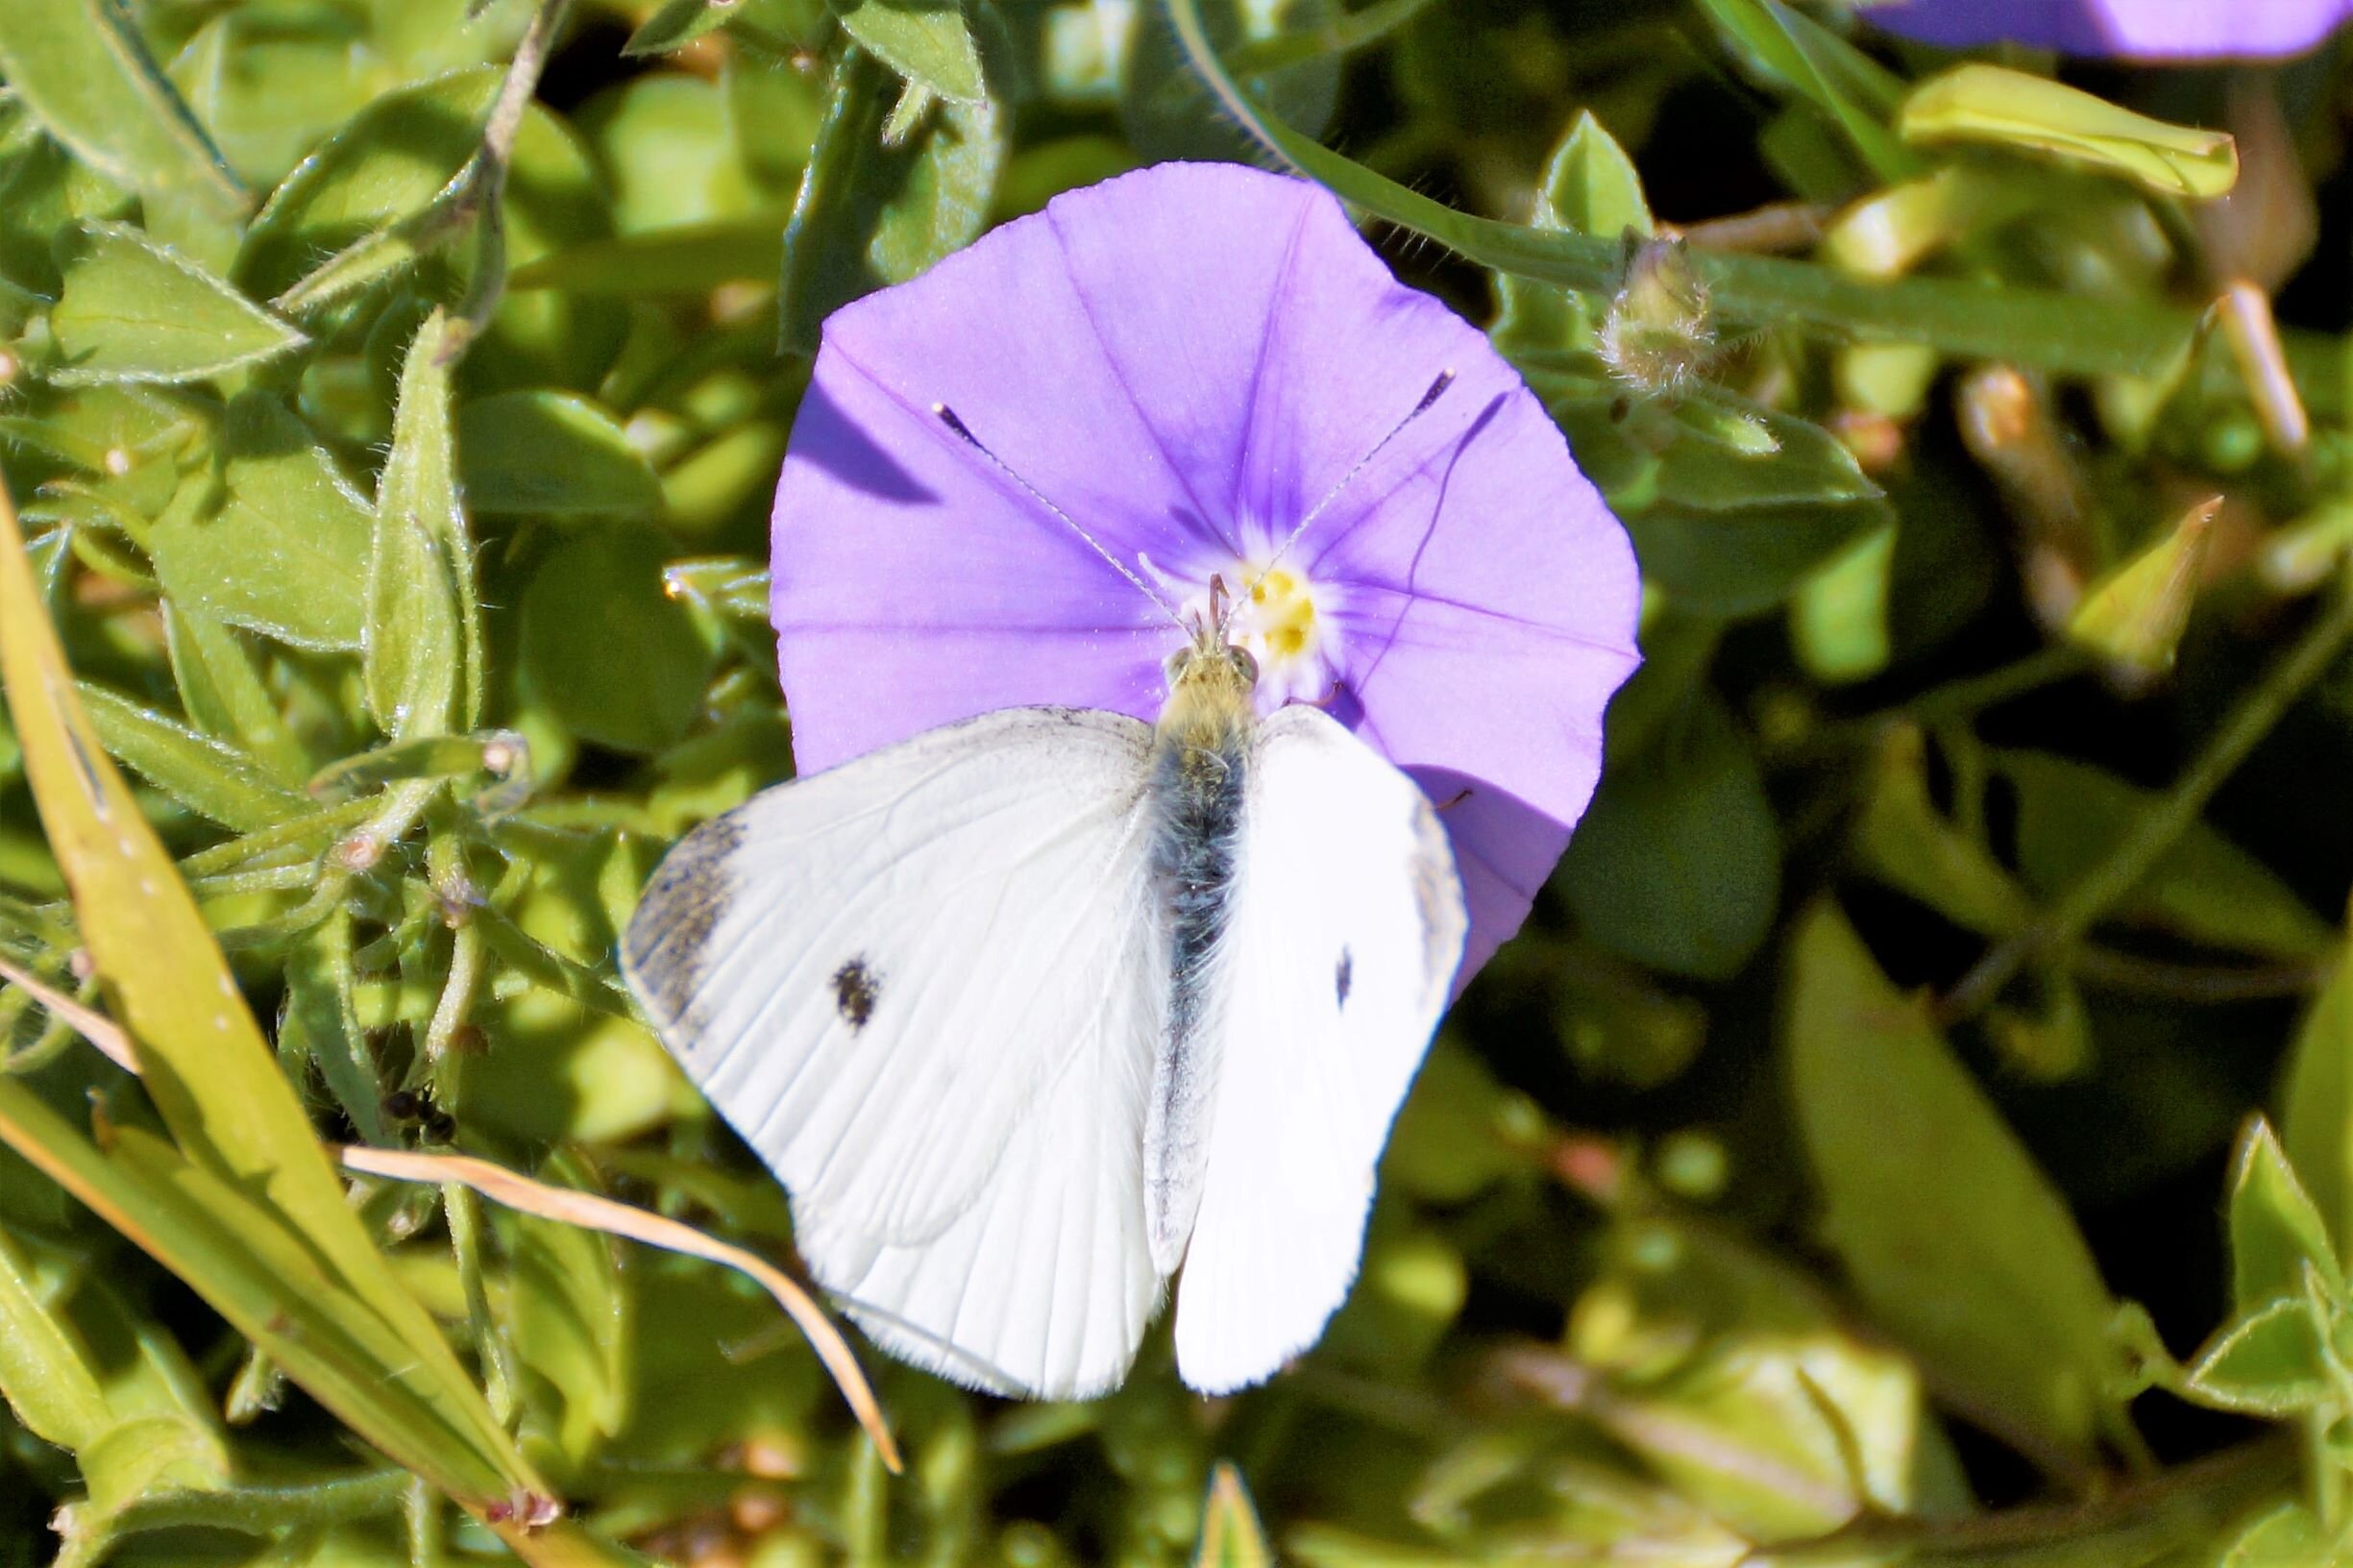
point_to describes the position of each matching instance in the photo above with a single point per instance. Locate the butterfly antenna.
(964, 433)
(1438, 390)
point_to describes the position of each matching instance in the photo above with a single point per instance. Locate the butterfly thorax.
(1200, 781)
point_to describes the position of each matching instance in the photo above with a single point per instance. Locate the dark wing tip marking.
(856, 989)
(1343, 977)
(664, 952)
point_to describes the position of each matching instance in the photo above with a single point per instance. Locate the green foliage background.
(393, 396)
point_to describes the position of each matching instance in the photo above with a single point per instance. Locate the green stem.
(1960, 317)
(2156, 831)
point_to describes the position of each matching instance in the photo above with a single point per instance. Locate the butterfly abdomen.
(1199, 786)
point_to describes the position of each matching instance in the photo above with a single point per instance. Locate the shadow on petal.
(828, 437)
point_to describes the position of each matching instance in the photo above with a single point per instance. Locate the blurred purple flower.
(2121, 29)
(1187, 361)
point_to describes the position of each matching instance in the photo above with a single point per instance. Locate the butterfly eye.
(1244, 662)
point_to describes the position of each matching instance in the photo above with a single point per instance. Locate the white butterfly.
(1034, 1010)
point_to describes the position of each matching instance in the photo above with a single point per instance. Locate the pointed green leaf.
(322, 1024)
(209, 777)
(2269, 1361)
(222, 690)
(132, 311)
(1953, 1237)
(2275, 1232)
(83, 70)
(868, 214)
(676, 24)
(1231, 1536)
(1589, 187)
(422, 639)
(924, 40)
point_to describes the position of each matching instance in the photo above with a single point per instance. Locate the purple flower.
(2124, 29)
(1190, 360)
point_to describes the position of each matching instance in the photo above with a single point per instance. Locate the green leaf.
(280, 545)
(1955, 1239)
(924, 40)
(603, 590)
(1589, 187)
(1729, 531)
(207, 776)
(677, 24)
(1730, 504)
(2316, 1122)
(1855, 91)
(83, 69)
(44, 1373)
(134, 312)
(569, 1317)
(2275, 1232)
(423, 641)
(1677, 864)
(868, 214)
(2269, 1361)
(222, 692)
(321, 1023)
(2069, 816)
(1990, 105)
(673, 152)
(551, 454)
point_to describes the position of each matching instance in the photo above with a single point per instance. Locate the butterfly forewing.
(925, 987)
(1346, 927)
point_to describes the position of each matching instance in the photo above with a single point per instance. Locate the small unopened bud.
(1659, 335)
(359, 852)
(2133, 618)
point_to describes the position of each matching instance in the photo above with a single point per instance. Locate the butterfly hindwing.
(1346, 927)
(924, 987)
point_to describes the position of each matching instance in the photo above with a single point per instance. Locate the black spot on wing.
(666, 950)
(856, 989)
(1343, 976)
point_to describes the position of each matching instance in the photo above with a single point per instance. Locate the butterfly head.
(1210, 678)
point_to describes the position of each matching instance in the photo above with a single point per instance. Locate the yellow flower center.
(1281, 616)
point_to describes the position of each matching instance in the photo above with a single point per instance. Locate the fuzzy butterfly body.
(1034, 1012)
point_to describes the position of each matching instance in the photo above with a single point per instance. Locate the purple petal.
(1189, 361)
(2121, 29)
